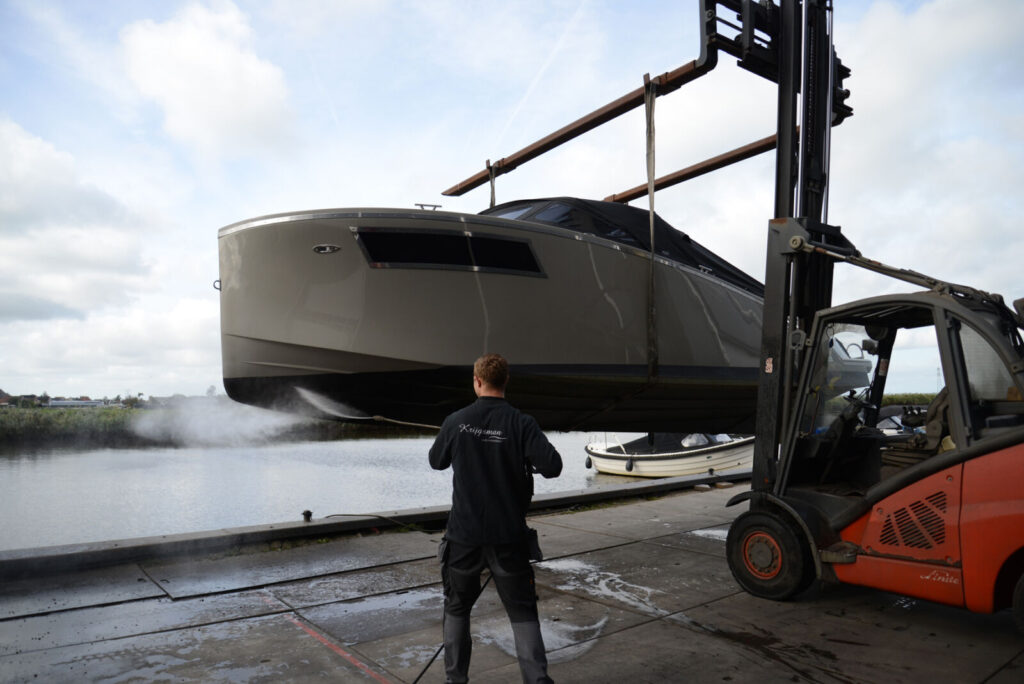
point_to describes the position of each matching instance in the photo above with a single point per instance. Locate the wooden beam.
(708, 165)
(666, 83)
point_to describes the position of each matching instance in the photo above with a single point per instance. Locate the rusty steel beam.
(666, 83)
(708, 165)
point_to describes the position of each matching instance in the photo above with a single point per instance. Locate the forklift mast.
(798, 283)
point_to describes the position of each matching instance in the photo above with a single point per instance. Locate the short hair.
(492, 369)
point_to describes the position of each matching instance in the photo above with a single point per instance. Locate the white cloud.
(318, 17)
(65, 246)
(925, 174)
(159, 347)
(82, 51)
(217, 95)
(39, 185)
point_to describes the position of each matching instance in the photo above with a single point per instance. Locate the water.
(83, 496)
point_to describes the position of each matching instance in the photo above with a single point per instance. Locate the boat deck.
(633, 592)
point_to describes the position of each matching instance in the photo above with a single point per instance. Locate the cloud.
(53, 38)
(925, 173)
(39, 185)
(216, 94)
(65, 245)
(18, 306)
(161, 346)
(318, 17)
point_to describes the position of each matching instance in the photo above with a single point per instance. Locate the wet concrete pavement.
(634, 592)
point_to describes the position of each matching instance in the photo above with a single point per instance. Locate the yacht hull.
(356, 313)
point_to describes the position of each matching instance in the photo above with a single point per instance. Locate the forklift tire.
(1018, 604)
(767, 556)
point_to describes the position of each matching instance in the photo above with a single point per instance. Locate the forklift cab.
(963, 357)
(933, 508)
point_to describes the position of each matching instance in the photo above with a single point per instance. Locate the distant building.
(75, 403)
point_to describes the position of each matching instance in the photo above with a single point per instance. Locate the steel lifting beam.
(666, 83)
(707, 166)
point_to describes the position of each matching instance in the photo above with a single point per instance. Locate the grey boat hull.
(346, 313)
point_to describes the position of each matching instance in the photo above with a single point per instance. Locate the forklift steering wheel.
(860, 403)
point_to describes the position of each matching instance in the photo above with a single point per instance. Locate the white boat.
(355, 313)
(673, 455)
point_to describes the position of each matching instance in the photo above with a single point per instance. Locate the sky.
(131, 130)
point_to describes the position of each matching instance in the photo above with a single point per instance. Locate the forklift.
(928, 503)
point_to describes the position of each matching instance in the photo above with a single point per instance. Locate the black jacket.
(490, 445)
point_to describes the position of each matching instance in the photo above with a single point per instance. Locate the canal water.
(67, 497)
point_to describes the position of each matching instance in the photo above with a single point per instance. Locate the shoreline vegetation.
(200, 422)
(110, 427)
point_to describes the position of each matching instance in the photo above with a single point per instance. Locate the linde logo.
(941, 576)
(481, 433)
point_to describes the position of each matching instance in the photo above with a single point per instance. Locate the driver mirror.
(869, 347)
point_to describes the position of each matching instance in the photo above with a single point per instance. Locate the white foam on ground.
(715, 533)
(563, 641)
(581, 576)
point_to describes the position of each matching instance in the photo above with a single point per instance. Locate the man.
(493, 450)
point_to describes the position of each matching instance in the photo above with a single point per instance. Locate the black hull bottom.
(679, 400)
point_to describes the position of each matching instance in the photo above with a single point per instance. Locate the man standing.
(493, 450)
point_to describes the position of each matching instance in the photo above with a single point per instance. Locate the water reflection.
(72, 497)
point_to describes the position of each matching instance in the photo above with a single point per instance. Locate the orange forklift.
(927, 502)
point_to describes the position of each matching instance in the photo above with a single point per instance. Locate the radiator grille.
(938, 499)
(919, 525)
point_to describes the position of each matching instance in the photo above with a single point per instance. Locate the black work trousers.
(510, 567)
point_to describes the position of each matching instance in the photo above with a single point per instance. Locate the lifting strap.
(650, 93)
(490, 174)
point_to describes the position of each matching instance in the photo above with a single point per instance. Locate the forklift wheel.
(767, 557)
(1018, 604)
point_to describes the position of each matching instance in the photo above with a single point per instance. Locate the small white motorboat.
(672, 455)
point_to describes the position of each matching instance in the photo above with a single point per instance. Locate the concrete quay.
(632, 591)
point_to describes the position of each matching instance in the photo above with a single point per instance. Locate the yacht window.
(389, 248)
(505, 255)
(556, 213)
(512, 212)
(619, 234)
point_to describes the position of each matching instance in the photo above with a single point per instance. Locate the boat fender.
(588, 463)
(629, 465)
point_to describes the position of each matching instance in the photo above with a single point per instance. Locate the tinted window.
(416, 248)
(512, 212)
(556, 213)
(502, 254)
(987, 376)
(396, 248)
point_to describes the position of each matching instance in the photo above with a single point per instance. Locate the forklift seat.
(922, 445)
